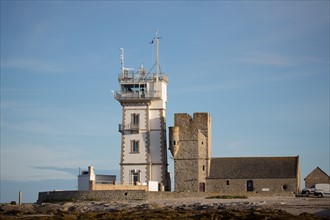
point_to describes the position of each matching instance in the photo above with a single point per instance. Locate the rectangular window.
(135, 119)
(202, 187)
(135, 148)
(135, 177)
(249, 186)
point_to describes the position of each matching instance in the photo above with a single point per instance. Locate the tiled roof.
(314, 172)
(253, 167)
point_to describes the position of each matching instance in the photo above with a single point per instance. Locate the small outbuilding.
(87, 177)
(316, 176)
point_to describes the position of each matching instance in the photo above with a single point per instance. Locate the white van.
(322, 189)
(307, 191)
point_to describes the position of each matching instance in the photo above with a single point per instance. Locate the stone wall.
(131, 195)
(186, 175)
(316, 176)
(97, 195)
(280, 186)
(190, 145)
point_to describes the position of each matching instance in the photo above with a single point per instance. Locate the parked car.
(309, 190)
(322, 189)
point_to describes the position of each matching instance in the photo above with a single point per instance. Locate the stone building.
(195, 170)
(316, 176)
(254, 174)
(190, 144)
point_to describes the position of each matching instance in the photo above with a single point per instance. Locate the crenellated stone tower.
(190, 144)
(143, 97)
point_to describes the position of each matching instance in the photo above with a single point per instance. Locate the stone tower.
(143, 97)
(190, 144)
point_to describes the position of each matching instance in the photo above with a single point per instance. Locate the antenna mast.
(157, 56)
(122, 59)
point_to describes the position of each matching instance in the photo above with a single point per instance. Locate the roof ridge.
(256, 157)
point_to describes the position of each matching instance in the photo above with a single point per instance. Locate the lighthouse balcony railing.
(131, 77)
(134, 127)
(136, 95)
(128, 127)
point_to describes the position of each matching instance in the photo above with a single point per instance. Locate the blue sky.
(260, 68)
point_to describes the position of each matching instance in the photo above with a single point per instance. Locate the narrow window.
(135, 177)
(249, 186)
(203, 167)
(135, 146)
(227, 182)
(173, 142)
(202, 187)
(135, 119)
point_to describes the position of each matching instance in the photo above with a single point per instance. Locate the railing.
(130, 77)
(105, 182)
(137, 95)
(128, 127)
(134, 127)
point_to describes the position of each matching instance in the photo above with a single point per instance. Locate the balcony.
(129, 127)
(130, 76)
(134, 127)
(137, 96)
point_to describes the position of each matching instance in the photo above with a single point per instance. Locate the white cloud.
(277, 60)
(32, 64)
(20, 161)
(22, 116)
(34, 136)
(264, 58)
(239, 83)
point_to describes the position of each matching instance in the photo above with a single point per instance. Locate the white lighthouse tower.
(143, 96)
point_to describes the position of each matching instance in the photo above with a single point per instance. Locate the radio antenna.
(122, 59)
(157, 55)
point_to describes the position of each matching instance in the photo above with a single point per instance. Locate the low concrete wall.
(122, 195)
(96, 186)
(96, 195)
(178, 195)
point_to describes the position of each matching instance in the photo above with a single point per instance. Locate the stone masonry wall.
(191, 160)
(131, 195)
(275, 186)
(186, 175)
(316, 176)
(97, 195)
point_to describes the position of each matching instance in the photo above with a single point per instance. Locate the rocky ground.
(192, 208)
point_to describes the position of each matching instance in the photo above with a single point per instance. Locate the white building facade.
(85, 178)
(143, 97)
